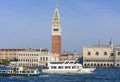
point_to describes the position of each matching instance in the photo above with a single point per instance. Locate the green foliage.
(5, 61)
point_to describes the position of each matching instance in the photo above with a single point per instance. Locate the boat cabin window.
(23, 71)
(67, 67)
(71, 62)
(32, 71)
(28, 71)
(53, 67)
(60, 67)
(73, 67)
(3, 71)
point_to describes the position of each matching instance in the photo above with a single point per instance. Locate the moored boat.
(19, 71)
(67, 67)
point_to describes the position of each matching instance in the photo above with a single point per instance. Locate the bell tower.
(56, 33)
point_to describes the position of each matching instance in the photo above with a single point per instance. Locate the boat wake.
(16, 77)
(44, 76)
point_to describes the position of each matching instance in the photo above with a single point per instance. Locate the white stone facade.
(33, 58)
(70, 56)
(117, 56)
(98, 56)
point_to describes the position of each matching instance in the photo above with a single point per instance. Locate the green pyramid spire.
(56, 14)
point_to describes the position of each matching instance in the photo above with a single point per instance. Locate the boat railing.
(70, 62)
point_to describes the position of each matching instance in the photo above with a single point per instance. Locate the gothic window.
(105, 53)
(43, 58)
(89, 53)
(117, 64)
(37, 54)
(97, 53)
(46, 58)
(104, 64)
(111, 65)
(94, 64)
(112, 54)
(98, 65)
(118, 53)
(91, 64)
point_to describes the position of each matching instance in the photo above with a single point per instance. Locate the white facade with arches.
(33, 58)
(101, 56)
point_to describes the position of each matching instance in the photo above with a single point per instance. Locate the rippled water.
(100, 75)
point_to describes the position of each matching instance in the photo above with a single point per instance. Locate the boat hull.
(8, 75)
(59, 71)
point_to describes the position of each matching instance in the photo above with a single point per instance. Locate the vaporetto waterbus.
(19, 71)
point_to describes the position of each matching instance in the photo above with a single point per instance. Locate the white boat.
(19, 71)
(67, 67)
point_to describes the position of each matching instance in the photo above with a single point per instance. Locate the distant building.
(56, 34)
(64, 57)
(9, 54)
(117, 56)
(70, 56)
(101, 56)
(33, 58)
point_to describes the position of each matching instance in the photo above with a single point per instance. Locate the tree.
(5, 61)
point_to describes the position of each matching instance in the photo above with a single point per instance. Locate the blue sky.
(27, 23)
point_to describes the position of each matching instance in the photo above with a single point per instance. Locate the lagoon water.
(100, 75)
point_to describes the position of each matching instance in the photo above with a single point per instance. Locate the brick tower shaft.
(56, 33)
